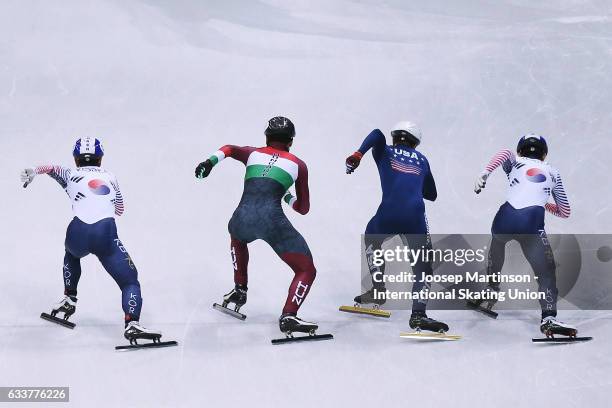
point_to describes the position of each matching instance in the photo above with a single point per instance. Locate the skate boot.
(134, 331)
(237, 296)
(551, 326)
(370, 297)
(419, 321)
(67, 306)
(290, 323)
(486, 304)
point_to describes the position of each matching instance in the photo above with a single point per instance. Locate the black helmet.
(532, 146)
(281, 129)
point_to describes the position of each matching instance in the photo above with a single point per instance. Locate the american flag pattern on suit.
(404, 167)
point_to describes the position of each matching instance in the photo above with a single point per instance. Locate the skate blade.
(316, 337)
(483, 310)
(365, 311)
(429, 336)
(57, 320)
(230, 312)
(561, 339)
(147, 345)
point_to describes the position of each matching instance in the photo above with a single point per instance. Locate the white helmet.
(407, 131)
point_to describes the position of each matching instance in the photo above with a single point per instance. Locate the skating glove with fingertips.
(27, 176)
(289, 198)
(481, 182)
(203, 169)
(352, 162)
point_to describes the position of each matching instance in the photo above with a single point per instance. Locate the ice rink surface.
(165, 83)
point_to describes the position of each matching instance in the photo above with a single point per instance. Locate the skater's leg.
(496, 258)
(422, 268)
(109, 249)
(292, 248)
(374, 242)
(240, 260)
(305, 273)
(76, 243)
(120, 267)
(540, 256)
(71, 274)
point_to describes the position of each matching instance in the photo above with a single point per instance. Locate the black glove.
(352, 162)
(203, 169)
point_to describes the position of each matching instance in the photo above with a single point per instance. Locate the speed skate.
(561, 339)
(367, 298)
(231, 312)
(135, 332)
(290, 324)
(53, 319)
(427, 328)
(67, 306)
(420, 335)
(552, 327)
(357, 309)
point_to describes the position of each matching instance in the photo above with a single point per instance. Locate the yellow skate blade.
(429, 336)
(365, 311)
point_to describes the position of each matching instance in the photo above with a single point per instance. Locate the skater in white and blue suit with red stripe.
(531, 183)
(96, 199)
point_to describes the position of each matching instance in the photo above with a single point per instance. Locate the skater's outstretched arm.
(57, 173)
(301, 203)
(504, 158)
(118, 201)
(375, 141)
(429, 186)
(561, 207)
(240, 153)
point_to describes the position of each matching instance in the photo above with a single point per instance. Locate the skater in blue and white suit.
(531, 183)
(96, 199)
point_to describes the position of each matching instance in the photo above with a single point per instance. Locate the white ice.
(165, 83)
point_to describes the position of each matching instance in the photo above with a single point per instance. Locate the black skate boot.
(550, 326)
(237, 296)
(419, 321)
(486, 304)
(290, 323)
(67, 306)
(370, 297)
(134, 332)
